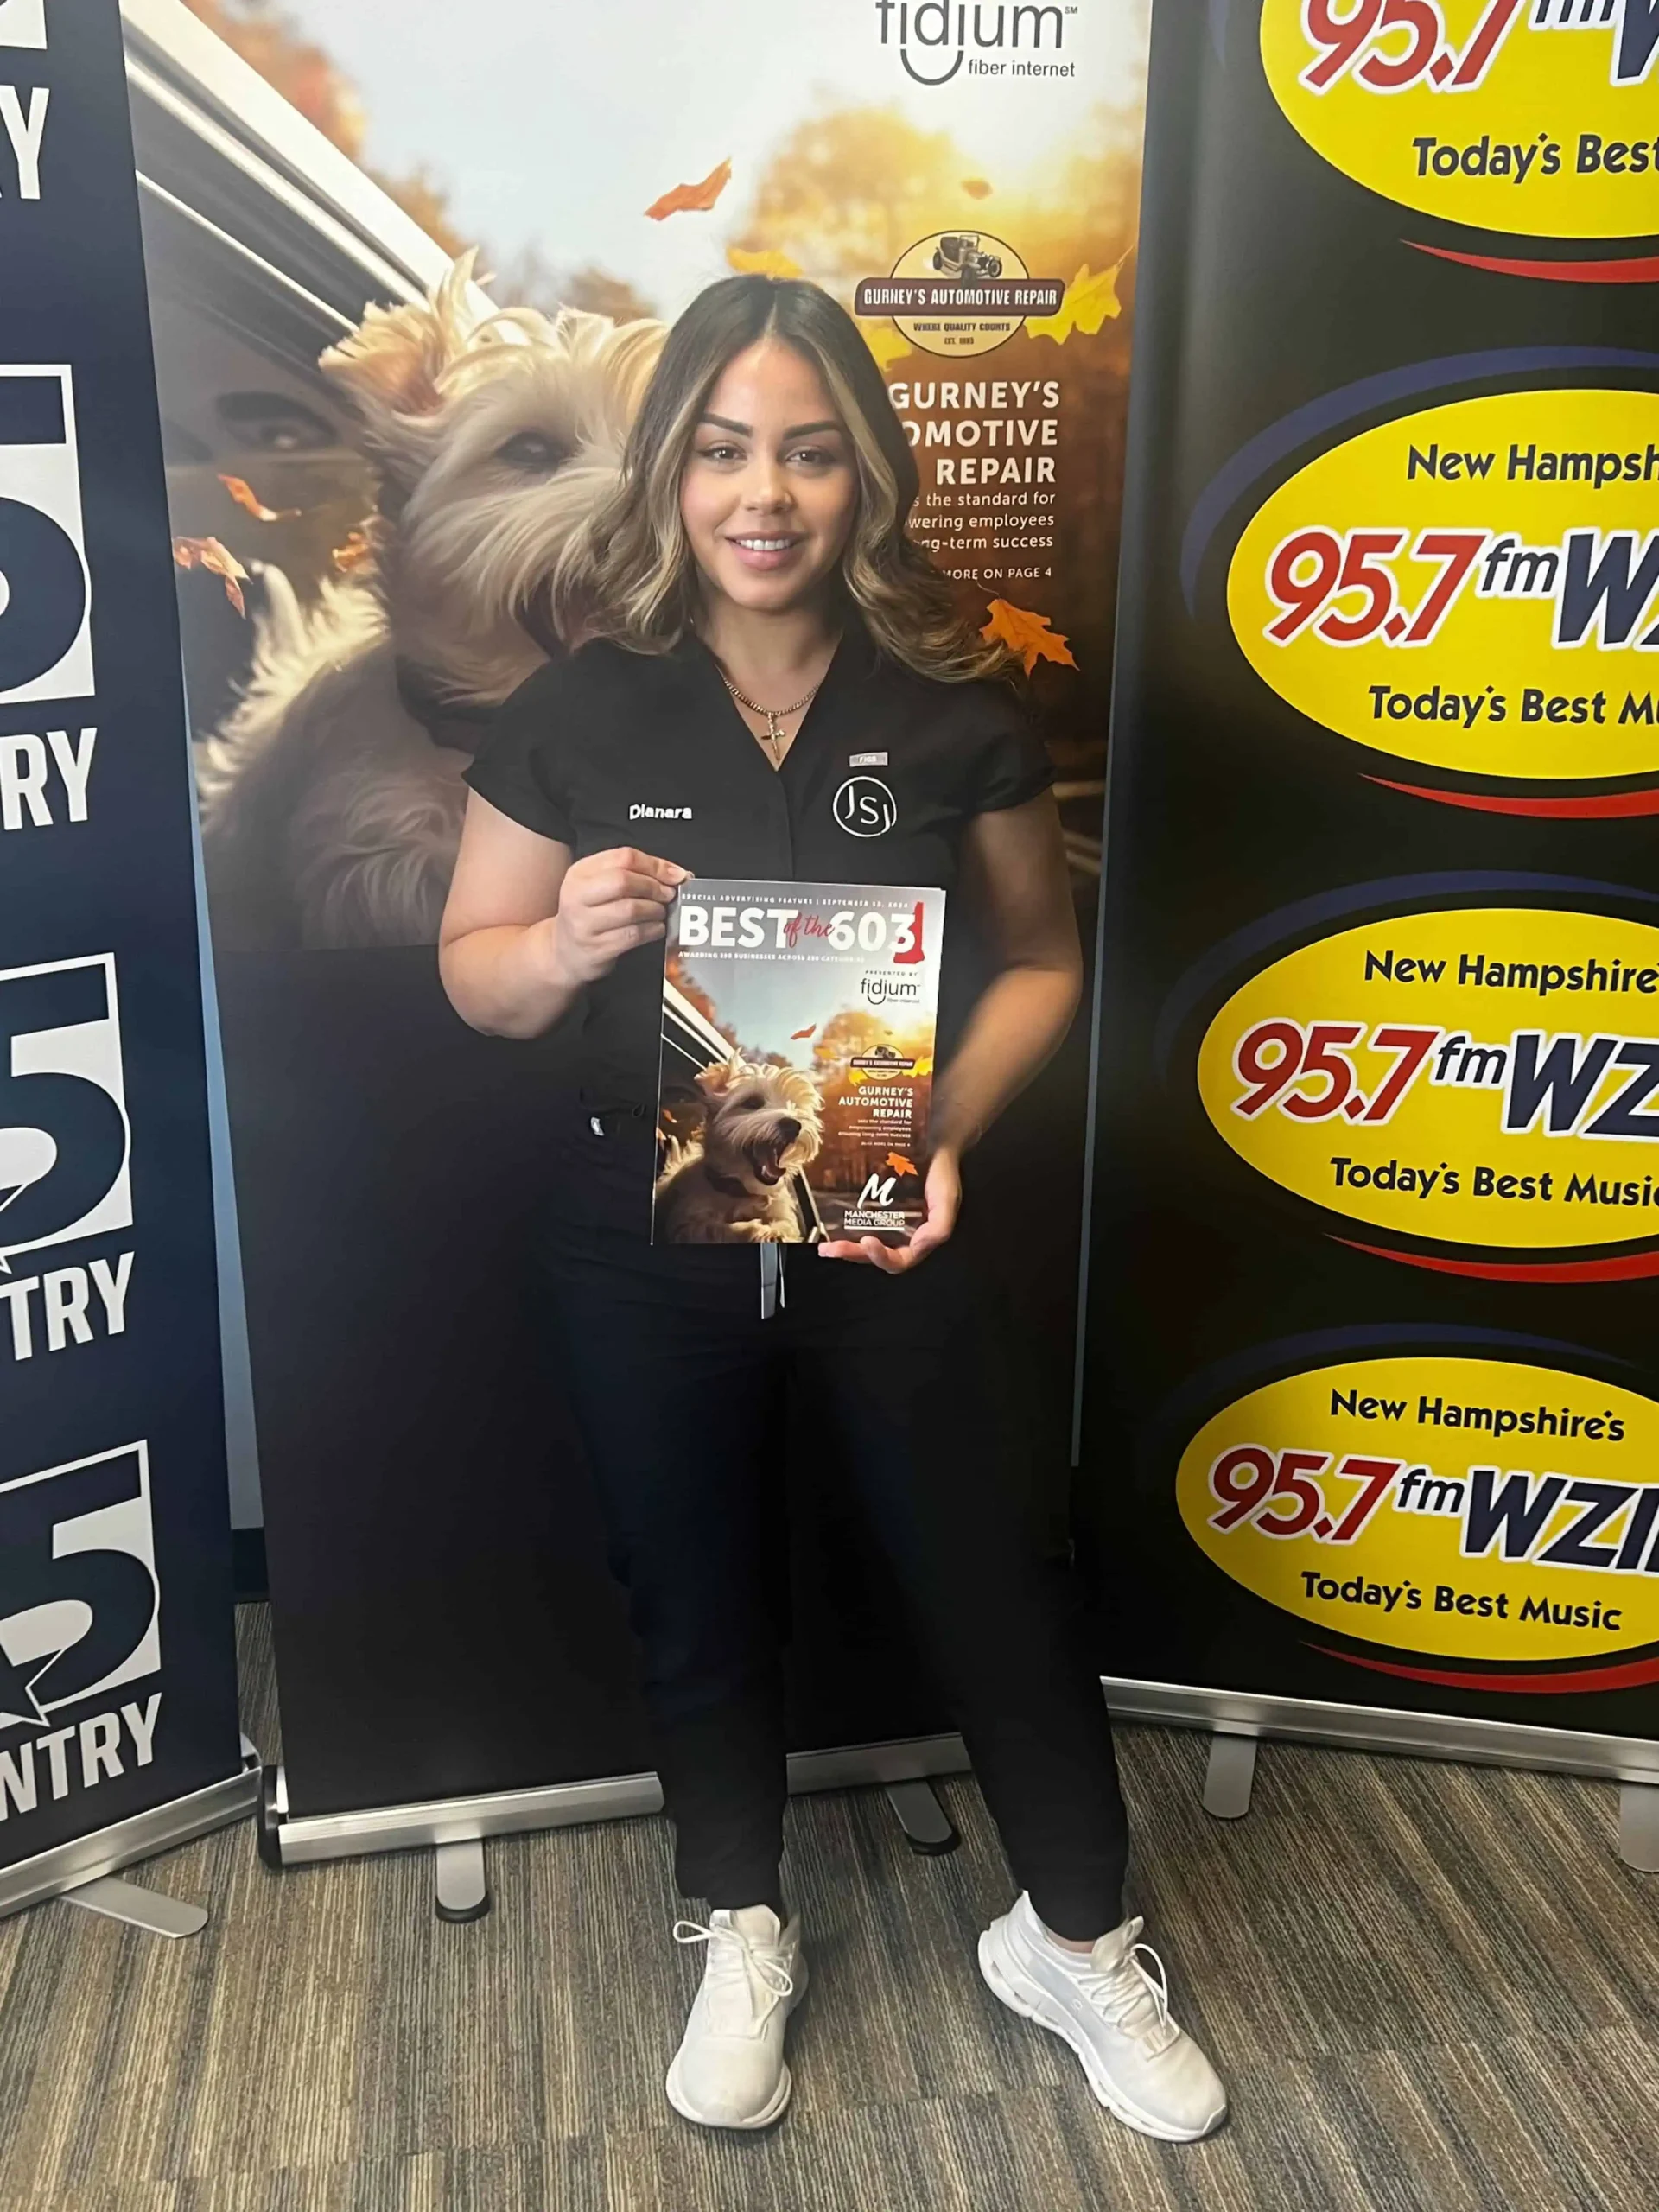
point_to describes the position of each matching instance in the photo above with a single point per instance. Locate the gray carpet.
(1429, 1987)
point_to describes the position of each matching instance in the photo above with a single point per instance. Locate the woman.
(761, 632)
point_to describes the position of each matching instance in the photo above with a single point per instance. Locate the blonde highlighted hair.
(635, 578)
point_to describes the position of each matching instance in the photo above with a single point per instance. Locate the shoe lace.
(1133, 1995)
(735, 1962)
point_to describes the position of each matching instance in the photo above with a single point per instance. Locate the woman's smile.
(765, 552)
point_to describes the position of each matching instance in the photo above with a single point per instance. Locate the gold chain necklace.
(773, 715)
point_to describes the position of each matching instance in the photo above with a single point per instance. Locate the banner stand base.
(289, 1838)
(1230, 1777)
(136, 1907)
(80, 1870)
(461, 1883)
(1638, 1827)
(1239, 1721)
(928, 1828)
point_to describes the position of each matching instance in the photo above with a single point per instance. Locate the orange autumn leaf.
(769, 261)
(692, 198)
(1028, 634)
(207, 553)
(248, 500)
(976, 188)
(899, 1165)
(795, 1035)
(352, 552)
(1088, 301)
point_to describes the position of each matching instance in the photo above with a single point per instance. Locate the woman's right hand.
(608, 904)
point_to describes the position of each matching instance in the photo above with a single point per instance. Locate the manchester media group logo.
(940, 40)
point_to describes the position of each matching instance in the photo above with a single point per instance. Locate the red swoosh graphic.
(1643, 269)
(1623, 1269)
(1607, 806)
(1628, 1674)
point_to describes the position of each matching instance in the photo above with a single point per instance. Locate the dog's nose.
(791, 1131)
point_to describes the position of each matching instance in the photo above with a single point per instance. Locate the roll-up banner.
(1372, 1396)
(117, 1695)
(966, 182)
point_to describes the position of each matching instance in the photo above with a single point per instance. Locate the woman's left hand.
(942, 1191)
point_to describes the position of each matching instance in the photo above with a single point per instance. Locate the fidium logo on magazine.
(937, 39)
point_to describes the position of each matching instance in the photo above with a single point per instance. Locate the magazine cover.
(798, 1024)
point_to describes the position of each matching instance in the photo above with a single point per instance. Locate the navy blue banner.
(116, 1674)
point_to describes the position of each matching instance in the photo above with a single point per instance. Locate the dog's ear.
(393, 367)
(716, 1082)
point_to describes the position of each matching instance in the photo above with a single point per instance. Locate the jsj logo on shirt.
(865, 807)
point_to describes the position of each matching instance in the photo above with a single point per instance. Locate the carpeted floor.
(1429, 1987)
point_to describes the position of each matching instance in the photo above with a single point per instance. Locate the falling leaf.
(1087, 301)
(355, 550)
(795, 1034)
(884, 342)
(207, 553)
(899, 1165)
(767, 262)
(1027, 634)
(692, 198)
(248, 500)
(976, 188)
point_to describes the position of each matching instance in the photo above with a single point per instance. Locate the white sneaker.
(1113, 2011)
(729, 2069)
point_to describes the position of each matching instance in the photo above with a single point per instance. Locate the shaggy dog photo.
(730, 1184)
(332, 796)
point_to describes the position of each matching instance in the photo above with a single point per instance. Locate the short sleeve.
(1011, 763)
(517, 768)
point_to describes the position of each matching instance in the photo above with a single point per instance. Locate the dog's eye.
(748, 1104)
(532, 451)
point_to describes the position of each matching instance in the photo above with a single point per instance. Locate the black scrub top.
(611, 748)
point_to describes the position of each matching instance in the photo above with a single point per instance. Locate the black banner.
(116, 1673)
(1372, 1404)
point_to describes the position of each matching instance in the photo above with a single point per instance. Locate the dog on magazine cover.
(731, 1185)
(332, 795)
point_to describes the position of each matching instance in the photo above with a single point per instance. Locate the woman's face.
(771, 486)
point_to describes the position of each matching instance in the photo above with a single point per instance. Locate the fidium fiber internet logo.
(934, 38)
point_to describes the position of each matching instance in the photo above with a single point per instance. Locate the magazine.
(799, 1025)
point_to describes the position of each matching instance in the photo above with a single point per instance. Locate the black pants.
(679, 1386)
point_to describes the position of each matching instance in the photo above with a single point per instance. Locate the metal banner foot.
(1228, 1777)
(1638, 1825)
(462, 1885)
(146, 1908)
(924, 1820)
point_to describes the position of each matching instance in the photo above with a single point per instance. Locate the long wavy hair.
(635, 578)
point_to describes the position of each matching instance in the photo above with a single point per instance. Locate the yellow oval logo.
(1528, 116)
(1473, 1508)
(1476, 586)
(1487, 1078)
